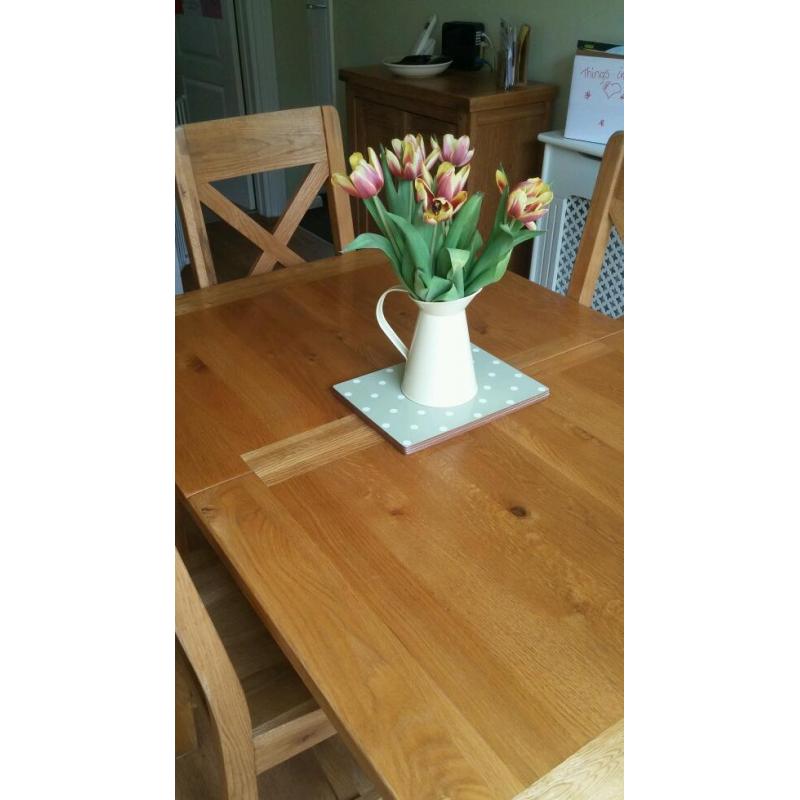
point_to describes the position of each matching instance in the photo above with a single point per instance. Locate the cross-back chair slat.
(206, 152)
(606, 207)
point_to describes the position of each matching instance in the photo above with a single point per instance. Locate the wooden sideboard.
(503, 126)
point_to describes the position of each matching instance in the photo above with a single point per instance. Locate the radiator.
(181, 251)
(609, 292)
(571, 168)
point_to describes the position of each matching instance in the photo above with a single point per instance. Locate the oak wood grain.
(469, 91)
(221, 643)
(188, 202)
(258, 284)
(250, 144)
(222, 690)
(246, 225)
(595, 772)
(456, 613)
(379, 693)
(292, 215)
(281, 743)
(297, 454)
(236, 146)
(255, 362)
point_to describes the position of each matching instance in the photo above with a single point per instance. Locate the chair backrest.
(606, 208)
(229, 148)
(222, 690)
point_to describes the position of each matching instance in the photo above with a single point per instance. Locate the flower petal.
(501, 179)
(345, 183)
(424, 193)
(394, 164)
(459, 201)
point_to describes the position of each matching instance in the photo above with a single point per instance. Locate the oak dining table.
(458, 612)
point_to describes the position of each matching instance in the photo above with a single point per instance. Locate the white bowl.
(415, 70)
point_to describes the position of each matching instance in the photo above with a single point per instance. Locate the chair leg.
(185, 728)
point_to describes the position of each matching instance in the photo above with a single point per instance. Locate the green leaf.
(442, 263)
(458, 258)
(415, 243)
(426, 231)
(377, 242)
(453, 293)
(501, 267)
(407, 270)
(500, 214)
(475, 244)
(464, 222)
(436, 288)
(456, 276)
(370, 205)
(525, 236)
(420, 287)
(486, 267)
(405, 202)
(388, 183)
(451, 259)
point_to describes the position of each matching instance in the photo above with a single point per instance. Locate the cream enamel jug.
(439, 370)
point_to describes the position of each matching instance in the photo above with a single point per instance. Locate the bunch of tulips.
(429, 225)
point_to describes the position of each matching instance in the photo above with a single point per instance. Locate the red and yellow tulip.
(528, 201)
(366, 178)
(448, 260)
(441, 204)
(408, 159)
(456, 151)
(450, 183)
(501, 179)
(442, 198)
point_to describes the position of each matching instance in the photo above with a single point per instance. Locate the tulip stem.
(379, 215)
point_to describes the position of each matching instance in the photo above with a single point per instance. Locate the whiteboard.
(596, 98)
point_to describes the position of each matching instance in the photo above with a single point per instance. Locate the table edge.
(253, 285)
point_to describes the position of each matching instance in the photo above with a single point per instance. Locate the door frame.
(256, 38)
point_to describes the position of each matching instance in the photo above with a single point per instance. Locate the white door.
(207, 72)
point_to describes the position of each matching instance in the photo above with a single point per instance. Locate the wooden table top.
(457, 612)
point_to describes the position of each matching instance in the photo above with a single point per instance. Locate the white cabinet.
(570, 167)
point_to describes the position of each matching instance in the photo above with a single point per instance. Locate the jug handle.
(385, 326)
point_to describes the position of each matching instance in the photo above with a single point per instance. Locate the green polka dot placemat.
(411, 426)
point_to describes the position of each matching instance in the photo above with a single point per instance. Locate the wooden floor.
(234, 255)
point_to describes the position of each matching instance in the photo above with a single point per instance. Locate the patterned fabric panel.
(609, 294)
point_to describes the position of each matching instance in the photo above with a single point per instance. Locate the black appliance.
(461, 41)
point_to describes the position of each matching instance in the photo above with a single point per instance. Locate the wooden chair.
(606, 208)
(229, 148)
(246, 749)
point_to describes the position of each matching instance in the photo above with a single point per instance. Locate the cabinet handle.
(316, 6)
